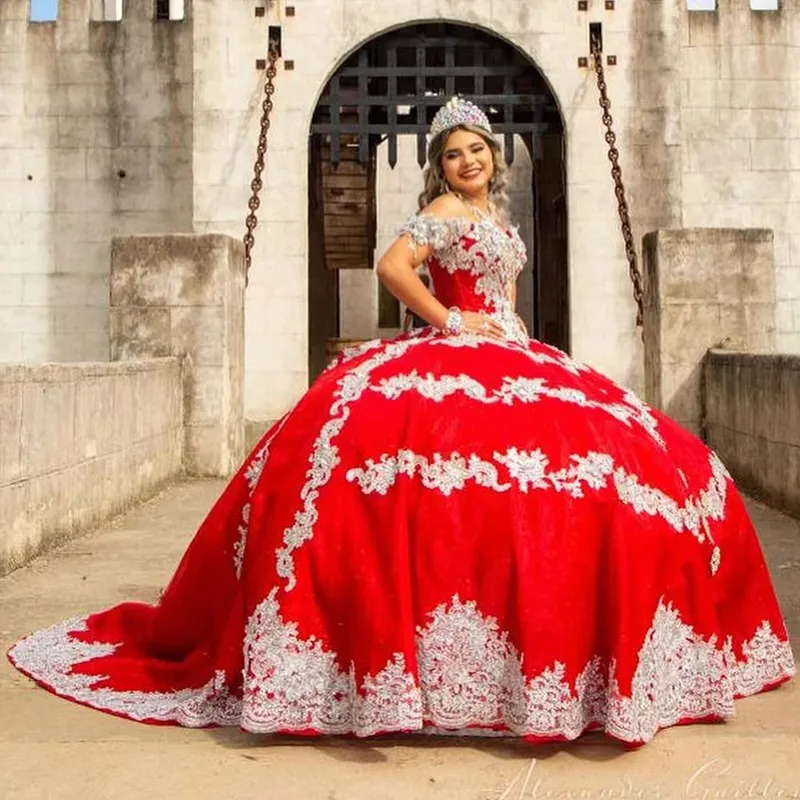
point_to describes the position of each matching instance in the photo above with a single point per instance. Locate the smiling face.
(467, 163)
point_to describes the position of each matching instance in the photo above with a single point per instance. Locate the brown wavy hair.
(435, 183)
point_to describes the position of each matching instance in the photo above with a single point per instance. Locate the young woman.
(459, 529)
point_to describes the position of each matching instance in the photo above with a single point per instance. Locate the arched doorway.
(367, 147)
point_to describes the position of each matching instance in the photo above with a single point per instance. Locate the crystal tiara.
(458, 111)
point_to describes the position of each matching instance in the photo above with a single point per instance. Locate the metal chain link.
(619, 186)
(257, 183)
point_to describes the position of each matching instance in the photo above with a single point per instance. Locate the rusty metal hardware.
(257, 183)
(619, 186)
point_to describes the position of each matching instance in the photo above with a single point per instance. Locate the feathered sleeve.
(440, 233)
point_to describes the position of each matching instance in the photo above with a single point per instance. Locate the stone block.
(185, 293)
(687, 330)
(204, 395)
(681, 396)
(139, 332)
(10, 427)
(704, 288)
(17, 542)
(199, 330)
(47, 405)
(205, 450)
(11, 347)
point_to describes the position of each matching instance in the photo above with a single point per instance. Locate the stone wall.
(183, 296)
(704, 288)
(752, 419)
(740, 98)
(79, 443)
(95, 140)
(705, 107)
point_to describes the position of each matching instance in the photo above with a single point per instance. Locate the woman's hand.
(480, 324)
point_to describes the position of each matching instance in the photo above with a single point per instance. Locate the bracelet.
(455, 322)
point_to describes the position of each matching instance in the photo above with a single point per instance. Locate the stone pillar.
(704, 288)
(183, 295)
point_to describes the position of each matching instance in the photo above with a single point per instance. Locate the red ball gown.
(450, 534)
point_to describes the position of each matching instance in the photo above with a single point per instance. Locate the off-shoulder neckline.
(472, 223)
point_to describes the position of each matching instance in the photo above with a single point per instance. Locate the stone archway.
(369, 131)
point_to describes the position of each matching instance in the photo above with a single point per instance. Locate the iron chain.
(257, 183)
(619, 186)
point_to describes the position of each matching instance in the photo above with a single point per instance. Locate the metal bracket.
(595, 36)
(596, 42)
(275, 38)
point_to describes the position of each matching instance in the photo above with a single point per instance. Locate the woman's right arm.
(398, 272)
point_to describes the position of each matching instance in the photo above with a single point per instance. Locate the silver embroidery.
(50, 656)
(529, 469)
(354, 351)
(494, 257)
(239, 547)
(526, 390)
(252, 476)
(445, 475)
(325, 455)
(438, 232)
(470, 675)
(432, 388)
(289, 683)
(767, 660)
(294, 684)
(462, 658)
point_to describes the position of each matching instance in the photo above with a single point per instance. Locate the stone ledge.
(80, 443)
(752, 419)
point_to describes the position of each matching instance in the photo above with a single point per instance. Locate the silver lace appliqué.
(531, 470)
(51, 655)
(467, 675)
(325, 454)
(294, 684)
(252, 475)
(525, 390)
(494, 257)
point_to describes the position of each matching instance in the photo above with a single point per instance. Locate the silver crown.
(458, 111)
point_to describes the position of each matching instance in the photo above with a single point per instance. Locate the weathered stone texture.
(753, 422)
(79, 443)
(704, 105)
(95, 140)
(741, 135)
(183, 295)
(704, 288)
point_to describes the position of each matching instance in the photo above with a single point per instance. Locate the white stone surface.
(81, 101)
(705, 108)
(81, 442)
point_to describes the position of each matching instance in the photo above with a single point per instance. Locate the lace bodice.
(473, 265)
